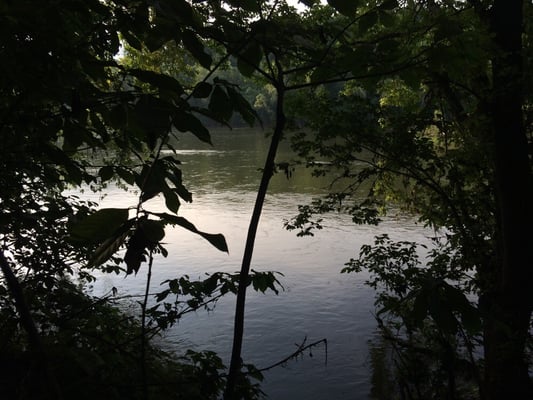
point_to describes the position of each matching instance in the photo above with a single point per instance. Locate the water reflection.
(318, 302)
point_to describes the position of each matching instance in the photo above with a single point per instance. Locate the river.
(317, 301)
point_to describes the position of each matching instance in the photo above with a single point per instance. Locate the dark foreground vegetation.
(432, 98)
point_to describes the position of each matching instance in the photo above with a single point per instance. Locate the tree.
(440, 128)
(508, 323)
(72, 113)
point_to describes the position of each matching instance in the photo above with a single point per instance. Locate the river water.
(317, 301)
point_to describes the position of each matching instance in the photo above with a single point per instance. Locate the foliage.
(414, 127)
(73, 113)
(407, 102)
(92, 351)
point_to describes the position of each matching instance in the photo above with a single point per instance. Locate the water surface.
(317, 301)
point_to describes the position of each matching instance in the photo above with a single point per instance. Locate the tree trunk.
(231, 392)
(40, 378)
(509, 309)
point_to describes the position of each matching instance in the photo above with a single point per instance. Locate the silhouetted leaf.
(106, 173)
(196, 48)
(98, 226)
(217, 240)
(160, 81)
(202, 90)
(186, 122)
(126, 175)
(248, 5)
(135, 253)
(249, 58)
(420, 307)
(389, 5)
(367, 21)
(106, 250)
(220, 104)
(241, 105)
(152, 230)
(171, 201)
(346, 7)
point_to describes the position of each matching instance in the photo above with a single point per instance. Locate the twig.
(301, 348)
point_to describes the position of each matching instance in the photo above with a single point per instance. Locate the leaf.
(99, 127)
(420, 307)
(161, 81)
(202, 90)
(183, 193)
(388, 5)
(196, 48)
(118, 116)
(249, 58)
(248, 5)
(241, 105)
(261, 281)
(220, 104)
(345, 7)
(153, 231)
(186, 122)
(126, 175)
(106, 173)
(135, 253)
(458, 302)
(217, 240)
(152, 180)
(367, 21)
(97, 227)
(441, 312)
(386, 19)
(152, 116)
(132, 40)
(106, 250)
(171, 201)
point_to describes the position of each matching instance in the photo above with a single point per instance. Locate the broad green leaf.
(151, 180)
(420, 307)
(98, 125)
(241, 105)
(248, 5)
(217, 240)
(458, 302)
(261, 281)
(153, 116)
(153, 231)
(441, 312)
(161, 81)
(97, 227)
(220, 104)
(186, 122)
(386, 19)
(132, 40)
(249, 58)
(183, 193)
(118, 116)
(171, 201)
(196, 48)
(106, 250)
(158, 36)
(389, 5)
(367, 21)
(106, 173)
(346, 7)
(202, 90)
(178, 10)
(126, 175)
(135, 253)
